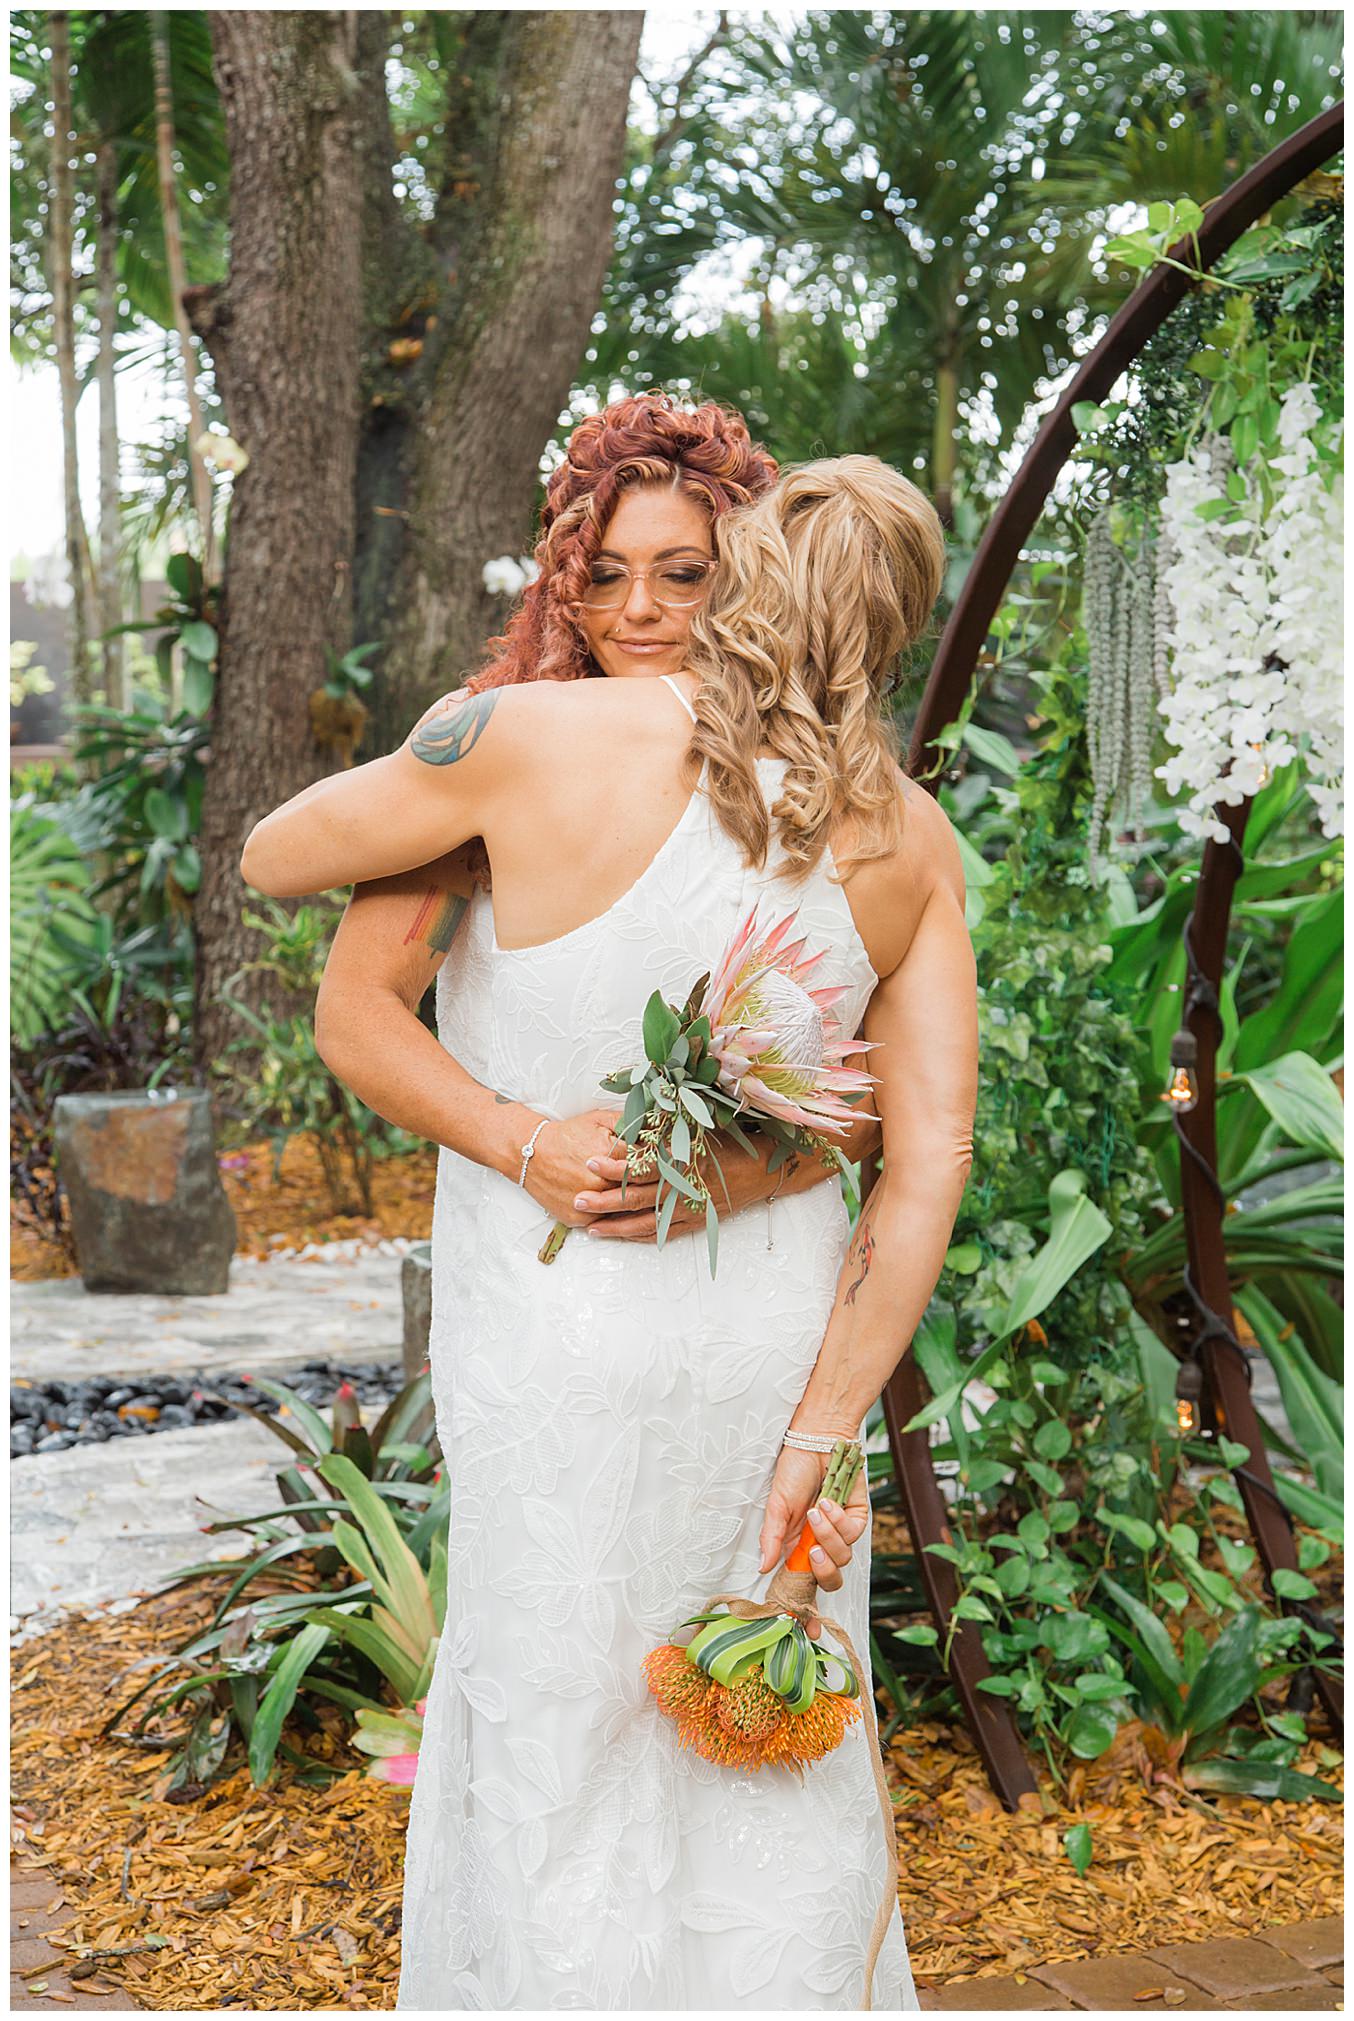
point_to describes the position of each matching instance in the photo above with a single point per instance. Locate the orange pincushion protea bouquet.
(751, 1690)
(756, 1048)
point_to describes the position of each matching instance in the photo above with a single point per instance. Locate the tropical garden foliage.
(891, 232)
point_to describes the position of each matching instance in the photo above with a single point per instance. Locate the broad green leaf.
(660, 1028)
(1265, 1780)
(280, 1696)
(1077, 1846)
(1314, 1404)
(1302, 1099)
(1089, 1731)
(1228, 1676)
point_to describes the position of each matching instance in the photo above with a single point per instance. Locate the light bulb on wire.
(1182, 1089)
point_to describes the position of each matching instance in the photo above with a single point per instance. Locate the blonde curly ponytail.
(821, 584)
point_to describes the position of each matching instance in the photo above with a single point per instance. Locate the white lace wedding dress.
(610, 1425)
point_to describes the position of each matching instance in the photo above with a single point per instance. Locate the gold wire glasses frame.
(678, 583)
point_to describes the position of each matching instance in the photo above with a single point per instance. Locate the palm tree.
(110, 489)
(178, 281)
(60, 249)
(933, 182)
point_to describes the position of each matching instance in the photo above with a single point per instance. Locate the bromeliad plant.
(282, 1637)
(756, 1049)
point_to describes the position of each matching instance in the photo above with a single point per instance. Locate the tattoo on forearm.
(448, 735)
(863, 1248)
(438, 916)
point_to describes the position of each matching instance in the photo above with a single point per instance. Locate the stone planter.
(148, 1210)
(416, 1285)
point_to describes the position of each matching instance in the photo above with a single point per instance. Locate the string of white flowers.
(1253, 628)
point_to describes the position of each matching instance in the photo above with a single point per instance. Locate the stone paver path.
(1293, 1966)
(98, 1523)
(343, 1304)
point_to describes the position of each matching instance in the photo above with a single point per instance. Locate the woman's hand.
(557, 1172)
(634, 1216)
(794, 1486)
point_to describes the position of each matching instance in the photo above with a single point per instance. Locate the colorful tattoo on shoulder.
(451, 732)
(438, 916)
(862, 1247)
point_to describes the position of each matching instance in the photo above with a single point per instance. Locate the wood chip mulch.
(285, 1212)
(289, 1898)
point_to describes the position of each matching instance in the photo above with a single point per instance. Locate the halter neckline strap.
(671, 682)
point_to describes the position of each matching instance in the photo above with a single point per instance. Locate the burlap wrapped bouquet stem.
(796, 1593)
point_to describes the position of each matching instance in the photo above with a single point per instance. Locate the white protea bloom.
(779, 1047)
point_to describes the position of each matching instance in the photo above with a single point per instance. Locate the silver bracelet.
(811, 1442)
(529, 1149)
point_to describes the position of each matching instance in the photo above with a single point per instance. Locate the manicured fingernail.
(580, 1203)
(594, 1165)
(828, 1508)
(821, 1556)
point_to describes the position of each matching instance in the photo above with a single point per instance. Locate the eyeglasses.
(679, 584)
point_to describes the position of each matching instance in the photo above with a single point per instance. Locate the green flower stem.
(553, 1242)
(843, 1465)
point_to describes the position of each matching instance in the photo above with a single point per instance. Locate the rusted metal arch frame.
(1141, 316)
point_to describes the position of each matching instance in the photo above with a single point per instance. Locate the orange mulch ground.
(289, 1897)
(283, 1212)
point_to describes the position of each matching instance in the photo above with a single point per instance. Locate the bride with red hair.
(677, 469)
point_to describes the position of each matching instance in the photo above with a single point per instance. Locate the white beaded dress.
(610, 1425)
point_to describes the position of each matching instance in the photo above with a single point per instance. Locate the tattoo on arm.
(863, 1247)
(438, 916)
(449, 734)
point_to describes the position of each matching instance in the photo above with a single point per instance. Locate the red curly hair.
(647, 438)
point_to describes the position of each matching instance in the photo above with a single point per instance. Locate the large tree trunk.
(475, 361)
(60, 238)
(178, 281)
(284, 333)
(109, 579)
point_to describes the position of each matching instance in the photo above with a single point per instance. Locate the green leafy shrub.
(285, 1090)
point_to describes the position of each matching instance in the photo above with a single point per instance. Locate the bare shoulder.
(929, 856)
(889, 894)
(457, 722)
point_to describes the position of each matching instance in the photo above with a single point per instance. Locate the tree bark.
(109, 578)
(61, 237)
(284, 332)
(479, 356)
(178, 282)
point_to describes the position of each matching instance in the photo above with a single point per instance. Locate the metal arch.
(1141, 316)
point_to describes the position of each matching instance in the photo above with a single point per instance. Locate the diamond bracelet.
(811, 1442)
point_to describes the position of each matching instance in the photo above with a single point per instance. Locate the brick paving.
(37, 1905)
(1294, 1966)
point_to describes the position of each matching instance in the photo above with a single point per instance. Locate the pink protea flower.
(779, 1048)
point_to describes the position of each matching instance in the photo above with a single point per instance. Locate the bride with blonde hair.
(626, 1435)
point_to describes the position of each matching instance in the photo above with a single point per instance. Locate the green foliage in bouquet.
(675, 1109)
